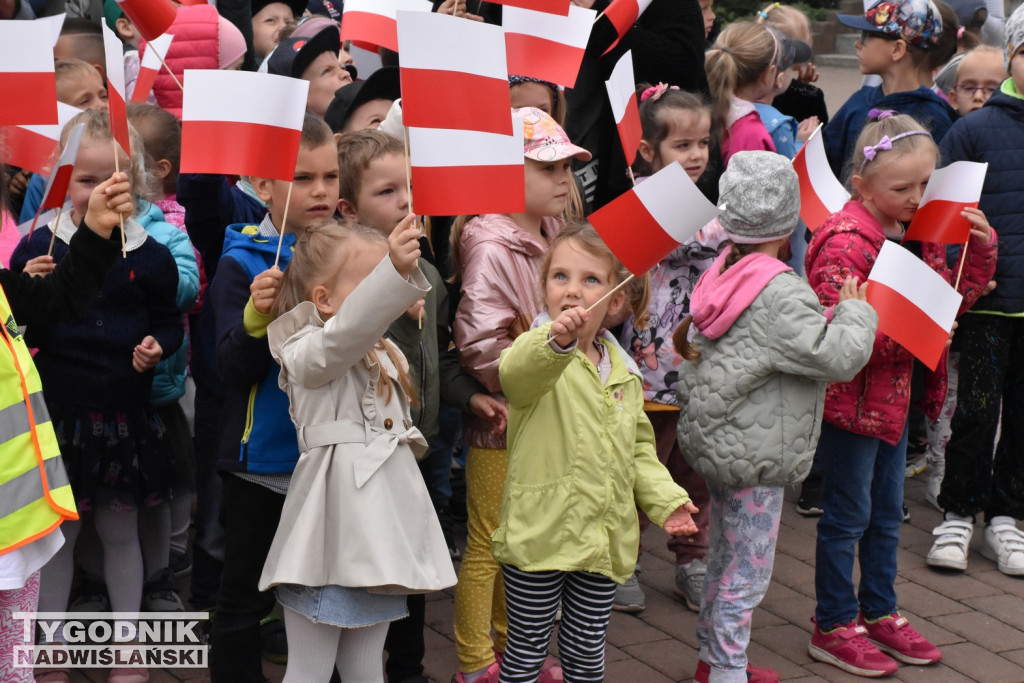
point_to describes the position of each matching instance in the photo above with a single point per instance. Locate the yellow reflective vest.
(35, 494)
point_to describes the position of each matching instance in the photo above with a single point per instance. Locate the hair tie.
(655, 92)
(725, 50)
(762, 16)
(885, 144)
(960, 33)
(881, 114)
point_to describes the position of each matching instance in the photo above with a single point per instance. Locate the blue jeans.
(863, 502)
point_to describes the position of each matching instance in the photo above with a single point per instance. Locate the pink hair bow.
(656, 91)
(871, 150)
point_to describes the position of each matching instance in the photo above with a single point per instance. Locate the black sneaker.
(181, 565)
(809, 503)
(906, 513)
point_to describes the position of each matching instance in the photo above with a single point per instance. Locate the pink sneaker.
(848, 648)
(754, 674)
(490, 675)
(894, 634)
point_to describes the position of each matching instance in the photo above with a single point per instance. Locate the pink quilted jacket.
(876, 402)
(499, 265)
(195, 46)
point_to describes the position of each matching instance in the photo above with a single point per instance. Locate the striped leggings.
(532, 598)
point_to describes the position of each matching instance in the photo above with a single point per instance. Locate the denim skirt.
(340, 606)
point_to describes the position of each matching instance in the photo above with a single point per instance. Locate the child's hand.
(850, 290)
(989, 287)
(808, 73)
(979, 224)
(40, 266)
(806, 128)
(486, 407)
(19, 183)
(416, 310)
(404, 244)
(264, 289)
(566, 327)
(109, 202)
(680, 522)
(147, 354)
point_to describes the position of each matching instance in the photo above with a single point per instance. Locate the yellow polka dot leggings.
(480, 593)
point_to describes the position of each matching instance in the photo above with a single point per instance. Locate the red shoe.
(490, 675)
(754, 674)
(894, 634)
(848, 648)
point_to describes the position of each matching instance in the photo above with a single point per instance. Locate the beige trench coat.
(357, 513)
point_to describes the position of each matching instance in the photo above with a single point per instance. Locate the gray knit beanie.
(759, 195)
(1014, 33)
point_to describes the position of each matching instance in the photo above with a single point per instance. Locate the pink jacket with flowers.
(499, 265)
(876, 402)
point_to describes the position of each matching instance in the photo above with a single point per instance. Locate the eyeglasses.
(986, 90)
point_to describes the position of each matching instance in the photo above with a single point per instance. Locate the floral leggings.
(741, 553)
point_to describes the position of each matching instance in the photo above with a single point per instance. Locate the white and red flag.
(547, 46)
(820, 193)
(57, 185)
(32, 147)
(622, 95)
(444, 87)
(152, 61)
(950, 190)
(28, 86)
(56, 23)
(152, 18)
(370, 24)
(559, 7)
(241, 123)
(645, 224)
(466, 172)
(915, 305)
(116, 99)
(623, 14)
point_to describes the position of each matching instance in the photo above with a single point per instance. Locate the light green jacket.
(580, 459)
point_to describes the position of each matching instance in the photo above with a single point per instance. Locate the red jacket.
(195, 46)
(876, 402)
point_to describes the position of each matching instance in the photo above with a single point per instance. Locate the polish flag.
(464, 88)
(623, 14)
(116, 100)
(466, 172)
(57, 185)
(56, 23)
(32, 147)
(546, 46)
(152, 18)
(150, 66)
(372, 23)
(622, 95)
(820, 193)
(28, 86)
(562, 8)
(950, 190)
(241, 123)
(645, 224)
(915, 305)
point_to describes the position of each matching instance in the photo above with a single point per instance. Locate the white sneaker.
(1004, 543)
(954, 539)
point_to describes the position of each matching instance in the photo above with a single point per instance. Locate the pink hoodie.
(720, 298)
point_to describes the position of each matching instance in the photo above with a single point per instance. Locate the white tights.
(314, 650)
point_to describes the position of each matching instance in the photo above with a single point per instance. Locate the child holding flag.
(862, 450)
(258, 447)
(735, 428)
(581, 457)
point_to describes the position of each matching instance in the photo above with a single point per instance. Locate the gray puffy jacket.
(751, 405)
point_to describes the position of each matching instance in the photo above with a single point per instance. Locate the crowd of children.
(291, 372)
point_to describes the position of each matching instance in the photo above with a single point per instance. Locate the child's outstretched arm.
(533, 364)
(665, 502)
(680, 522)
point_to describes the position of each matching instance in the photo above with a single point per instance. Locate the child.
(975, 480)
(32, 534)
(497, 256)
(98, 373)
(676, 128)
(315, 60)
(895, 40)
(373, 193)
(81, 38)
(862, 450)
(358, 530)
(258, 448)
(737, 429)
(363, 104)
(543, 95)
(581, 458)
(741, 68)
(802, 100)
(978, 77)
(787, 134)
(268, 18)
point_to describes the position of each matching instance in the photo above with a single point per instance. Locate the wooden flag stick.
(161, 58)
(284, 221)
(408, 182)
(120, 218)
(960, 269)
(610, 293)
(631, 176)
(56, 225)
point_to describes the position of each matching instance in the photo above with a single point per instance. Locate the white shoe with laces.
(1004, 543)
(954, 540)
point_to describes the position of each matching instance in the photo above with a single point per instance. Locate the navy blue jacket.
(843, 129)
(995, 134)
(258, 435)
